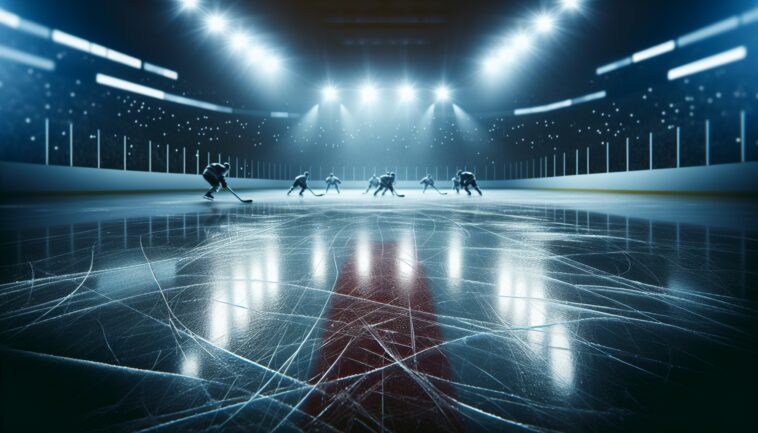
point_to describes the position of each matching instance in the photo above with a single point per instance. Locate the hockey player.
(372, 183)
(386, 183)
(428, 181)
(468, 180)
(302, 183)
(456, 184)
(332, 181)
(215, 175)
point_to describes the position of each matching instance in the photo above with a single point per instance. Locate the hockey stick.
(317, 195)
(238, 197)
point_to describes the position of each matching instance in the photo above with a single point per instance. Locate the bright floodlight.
(330, 93)
(489, 65)
(256, 54)
(272, 63)
(544, 23)
(368, 93)
(505, 54)
(238, 41)
(215, 23)
(190, 4)
(570, 4)
(442, 93)
(407, 92)
(522, 41)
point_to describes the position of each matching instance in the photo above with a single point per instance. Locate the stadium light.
(407, 92)
(330, 93)
(368, 93)
(505, 54)
(489, 65)
(522, 41)
(272, 63)
(238, 41)
(11, 20)
(544, 23)
(570, 4)
(215, 23)
(190, 4)
(256, 53)
(442, 93)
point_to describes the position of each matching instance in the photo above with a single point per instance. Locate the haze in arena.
(378, 216)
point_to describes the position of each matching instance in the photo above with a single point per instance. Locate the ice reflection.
(318, 259)
(256, 280)
(190, 365)
(523, 305)
(252, 283)
(240, 297)
(219, 316)
(406, 257)
(454, 255)
(561, 358)
(273, 258)
(363, 255)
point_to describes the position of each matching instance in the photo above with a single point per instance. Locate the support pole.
(588, 160)
(71, 144)
(678, 147)
(627, 153)
(608, 157)
(743, 156)
(707, 142)
(577, 162)
(184, 160)
(168, 158)
(650, 150)
(47, 141)
(124, 152)
(98, 148)
(150, 155)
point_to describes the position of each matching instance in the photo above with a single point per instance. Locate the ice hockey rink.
(604, 281)
(515, 311)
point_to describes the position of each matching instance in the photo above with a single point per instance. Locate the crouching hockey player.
(387, 183)
(215, 175)
(456, 184)
(302, 183)
(332, 181)
(372, 183)
(467, 180)
(428, 182)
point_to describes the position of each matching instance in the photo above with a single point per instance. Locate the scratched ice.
(513, 312)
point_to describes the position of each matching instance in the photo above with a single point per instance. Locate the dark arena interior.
(378, 216)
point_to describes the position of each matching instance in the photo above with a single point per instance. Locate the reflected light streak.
(190, 365)
(363, 255)
(256, 282)
(561, 358)
(454, 256)
(272, 267)
(405, 258)
(219, 318)
(240, 298)
(318, 260)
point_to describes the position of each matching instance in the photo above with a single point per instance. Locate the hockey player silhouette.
(302, 183)
(332, 181)
(468, 180)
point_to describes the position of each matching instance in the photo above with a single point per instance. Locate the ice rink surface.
(516, 311)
